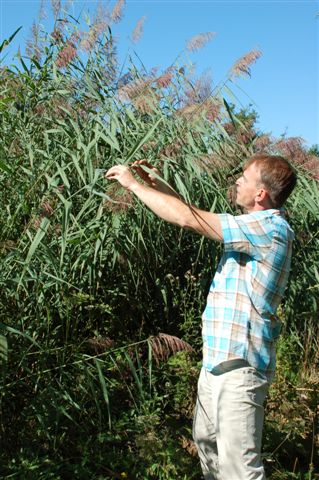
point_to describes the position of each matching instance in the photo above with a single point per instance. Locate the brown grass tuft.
(99, 25)
(42, 13)
(190, 112)
(164, 345)
(149, 146)
(100, 344)
(188, 445)
(46, 209)
(122, 200)
(214, 162)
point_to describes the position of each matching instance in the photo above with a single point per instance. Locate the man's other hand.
(147, 177)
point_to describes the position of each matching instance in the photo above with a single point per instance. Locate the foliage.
(99, 299)
(292, 408)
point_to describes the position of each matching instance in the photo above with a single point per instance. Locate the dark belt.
(229, 365)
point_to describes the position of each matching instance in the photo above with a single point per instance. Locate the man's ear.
(263, 196)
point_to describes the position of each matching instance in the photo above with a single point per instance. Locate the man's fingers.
(141, 162)
(110, 173)
(114, 171)
(137, 168)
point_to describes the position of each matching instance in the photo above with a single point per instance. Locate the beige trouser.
(228, 423)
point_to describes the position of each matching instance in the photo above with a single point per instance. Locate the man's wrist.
(134, 187)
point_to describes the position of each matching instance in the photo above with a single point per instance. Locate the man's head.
(266, 182)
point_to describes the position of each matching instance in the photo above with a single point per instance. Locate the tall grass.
(96, 293)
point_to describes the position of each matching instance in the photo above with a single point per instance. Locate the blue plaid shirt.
(240, 320)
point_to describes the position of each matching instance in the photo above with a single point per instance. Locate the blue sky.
(284, 86)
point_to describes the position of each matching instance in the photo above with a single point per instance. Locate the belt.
(229, 365)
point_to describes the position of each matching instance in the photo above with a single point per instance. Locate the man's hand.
(167, 204)
(122, 174)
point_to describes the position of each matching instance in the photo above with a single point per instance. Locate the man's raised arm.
(166, 204)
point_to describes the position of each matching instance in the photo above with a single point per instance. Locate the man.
(239, 322)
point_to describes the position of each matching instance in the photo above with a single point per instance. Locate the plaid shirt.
(240, 320)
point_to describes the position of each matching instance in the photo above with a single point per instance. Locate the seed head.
(68, 52)
(33, 47)
(261, 143)
(164, 80)
(117, 12)
(212, 108)
(56, 7)
(200, 90)
(138, 30)
(242, 66)
(198, 41)
(134, 89)
(66, 55)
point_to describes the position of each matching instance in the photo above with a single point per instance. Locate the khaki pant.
(228, 422)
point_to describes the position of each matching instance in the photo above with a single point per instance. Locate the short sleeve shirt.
(240, 320)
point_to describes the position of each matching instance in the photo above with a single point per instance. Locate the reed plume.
(243, 64)
(42, 13)
(198, 41)
(146, 103)
(66, 55)
(134, 89)
(199, 91)
(56, 7)
(117, 12)
(68, 52)
(262, 143)
(99, 25)
(33, 47)
(165, 79)
(212, 108)
(138, 30)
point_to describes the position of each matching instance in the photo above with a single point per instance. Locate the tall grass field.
(101, 302)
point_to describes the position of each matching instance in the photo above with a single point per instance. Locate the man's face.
(247, 187)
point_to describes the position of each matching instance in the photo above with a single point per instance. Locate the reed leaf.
(98, 364)
(3, 349)
(42, 230)
(142, 141)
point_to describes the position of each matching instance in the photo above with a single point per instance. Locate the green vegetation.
(101, 302)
